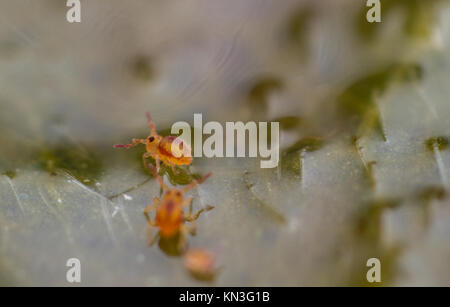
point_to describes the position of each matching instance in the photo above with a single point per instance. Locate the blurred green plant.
(420, 17)
(358, 101)
(83, 163)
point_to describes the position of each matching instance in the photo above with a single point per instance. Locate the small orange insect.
(160, 148)
(201, 264)
(170, 217)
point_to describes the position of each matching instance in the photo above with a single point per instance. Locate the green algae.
(358, 104)
(85, 164)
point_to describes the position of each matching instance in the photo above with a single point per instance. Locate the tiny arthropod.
(169, 210)
(161, 149)
(201, 264)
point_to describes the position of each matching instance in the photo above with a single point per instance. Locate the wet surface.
(364, 142)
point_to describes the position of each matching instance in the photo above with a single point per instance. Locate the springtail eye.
(151, 139)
